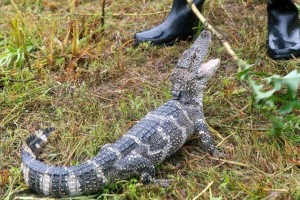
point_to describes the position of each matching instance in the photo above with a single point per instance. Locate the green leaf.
(289, 107)
(292, 80)
(243, 69)
(277, 125)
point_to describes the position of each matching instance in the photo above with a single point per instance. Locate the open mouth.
(209, 67)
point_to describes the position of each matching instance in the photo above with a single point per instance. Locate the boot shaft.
(179, 5)
(283, 15)
(283, 29)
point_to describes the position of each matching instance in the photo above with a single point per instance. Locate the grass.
(62, 67)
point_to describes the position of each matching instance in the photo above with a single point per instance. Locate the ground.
(70, 68)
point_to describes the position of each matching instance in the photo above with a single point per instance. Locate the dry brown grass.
(92, 85)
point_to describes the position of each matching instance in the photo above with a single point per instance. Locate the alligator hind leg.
(135, 165)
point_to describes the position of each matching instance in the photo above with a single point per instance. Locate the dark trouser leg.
(179, 24)
(283, 29)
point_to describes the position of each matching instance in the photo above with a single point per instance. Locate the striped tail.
(57, 181)
(34, 144)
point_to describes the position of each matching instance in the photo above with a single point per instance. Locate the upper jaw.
(194, 56)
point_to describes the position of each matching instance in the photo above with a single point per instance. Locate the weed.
(278, 101)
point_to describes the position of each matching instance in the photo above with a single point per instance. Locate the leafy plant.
(14, 55)
(278, 96)
(16, 48)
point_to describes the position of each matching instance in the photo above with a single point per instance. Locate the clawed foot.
(218, 154)
(162, 182)
(147, 179)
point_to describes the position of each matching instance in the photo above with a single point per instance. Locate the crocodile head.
(191, 74)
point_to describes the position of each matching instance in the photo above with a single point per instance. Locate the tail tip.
(48, 130)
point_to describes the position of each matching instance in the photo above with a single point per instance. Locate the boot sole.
(284, 56)
(188, 37)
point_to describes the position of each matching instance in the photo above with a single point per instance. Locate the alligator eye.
(176, 95)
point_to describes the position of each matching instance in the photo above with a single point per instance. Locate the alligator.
(149, 142)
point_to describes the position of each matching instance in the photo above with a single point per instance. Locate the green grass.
(60, 67)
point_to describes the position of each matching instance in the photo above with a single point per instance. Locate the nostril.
(205, 33)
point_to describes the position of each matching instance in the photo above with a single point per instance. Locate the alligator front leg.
(206, 138)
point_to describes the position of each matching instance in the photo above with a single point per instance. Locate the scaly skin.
(154, 138)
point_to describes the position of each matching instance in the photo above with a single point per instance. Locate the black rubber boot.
(179, 25)
(283, 29)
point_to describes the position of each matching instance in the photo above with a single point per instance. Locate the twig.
(286, 169)
(240, 128)
(232, 162)
(64, 15)
(128, 41)
(103, 15)
(213, 30)
(31, 198)
(15, 7)
(232, 117)
(216, 132)
(204, 190)
(140, 14)
(275, 190)
(220, 143)
(233, 106)
(240, 114)
(21, 81)
(2, 123)
(73, 151)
